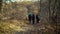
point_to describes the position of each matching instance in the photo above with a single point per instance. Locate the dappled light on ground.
(15, 26)
(21, 26)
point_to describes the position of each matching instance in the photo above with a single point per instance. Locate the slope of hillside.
(13, 19)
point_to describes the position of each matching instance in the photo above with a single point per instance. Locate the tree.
(0, 4)
(52, 11)
(0, 7)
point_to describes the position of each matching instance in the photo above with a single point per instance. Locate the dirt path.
(22, 27)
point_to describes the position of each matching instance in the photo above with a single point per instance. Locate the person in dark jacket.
(30, 17)
(33, 19)
(37, 18)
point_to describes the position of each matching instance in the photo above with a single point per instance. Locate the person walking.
(30, 17)
(33, 19)
(37, 18)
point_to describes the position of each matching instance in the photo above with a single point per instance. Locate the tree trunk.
(49, 10)
(0, 5)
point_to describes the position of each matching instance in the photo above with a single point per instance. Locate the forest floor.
(23, 27)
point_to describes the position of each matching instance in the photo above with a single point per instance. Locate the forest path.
(28, 27)
(21, 26)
